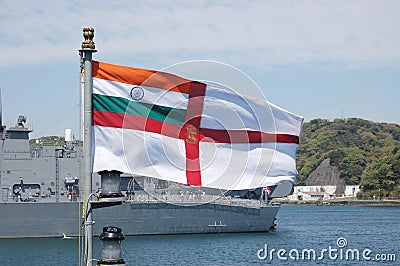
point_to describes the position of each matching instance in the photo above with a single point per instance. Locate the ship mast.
(2, 128)
(88, 48)
(1, 111)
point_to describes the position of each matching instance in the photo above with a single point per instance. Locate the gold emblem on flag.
(191, 134)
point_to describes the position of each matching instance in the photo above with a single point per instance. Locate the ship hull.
(55, 219)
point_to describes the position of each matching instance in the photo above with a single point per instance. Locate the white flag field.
(160, 125)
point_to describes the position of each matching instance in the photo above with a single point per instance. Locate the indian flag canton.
(160, 125)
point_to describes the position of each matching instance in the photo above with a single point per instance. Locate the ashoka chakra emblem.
(137, 93)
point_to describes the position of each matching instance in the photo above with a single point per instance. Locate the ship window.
(52, 184)
(42, 183)
(8, 172)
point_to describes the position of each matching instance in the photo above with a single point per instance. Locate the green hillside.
(366, 153)
(49, 141)
(52, 141)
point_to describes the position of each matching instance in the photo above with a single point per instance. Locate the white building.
(351, 191)
(310, 193)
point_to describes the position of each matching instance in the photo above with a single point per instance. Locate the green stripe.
(122, 105)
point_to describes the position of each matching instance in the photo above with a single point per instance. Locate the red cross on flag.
(160, 125)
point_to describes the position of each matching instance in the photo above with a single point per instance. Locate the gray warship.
(41, 196)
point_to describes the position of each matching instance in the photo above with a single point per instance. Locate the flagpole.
(88, 48)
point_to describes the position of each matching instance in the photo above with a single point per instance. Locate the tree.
(365, 152)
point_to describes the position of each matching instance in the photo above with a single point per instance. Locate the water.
(299, 227)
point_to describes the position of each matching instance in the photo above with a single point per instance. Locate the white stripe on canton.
(151, 95)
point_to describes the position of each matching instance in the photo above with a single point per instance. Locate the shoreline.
(339, 202)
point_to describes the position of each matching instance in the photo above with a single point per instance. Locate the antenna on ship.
(1, 110)
(2, 128)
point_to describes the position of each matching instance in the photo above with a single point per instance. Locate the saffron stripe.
(128, 121)
(125, 106)
(244, 136)
(139, 76)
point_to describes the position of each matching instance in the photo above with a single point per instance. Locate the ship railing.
(16, 158)
(16, 151)
(203, 199)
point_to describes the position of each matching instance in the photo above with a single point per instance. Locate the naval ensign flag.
(160, 125)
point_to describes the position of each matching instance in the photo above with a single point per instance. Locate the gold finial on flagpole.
(88, 34)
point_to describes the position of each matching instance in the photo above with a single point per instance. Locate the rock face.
(326, 175)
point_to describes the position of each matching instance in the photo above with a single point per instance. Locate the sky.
(318, 59)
